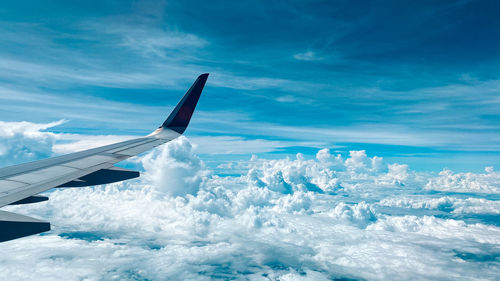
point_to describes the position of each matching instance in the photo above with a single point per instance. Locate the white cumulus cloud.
(489, 182)
(25, 141)
(323, 218)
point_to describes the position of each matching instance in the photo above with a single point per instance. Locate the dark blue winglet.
(178, 120)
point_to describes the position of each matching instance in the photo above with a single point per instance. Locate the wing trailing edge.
(103, 176)
(15, 226)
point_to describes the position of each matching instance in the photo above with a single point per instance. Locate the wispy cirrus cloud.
(307, 56)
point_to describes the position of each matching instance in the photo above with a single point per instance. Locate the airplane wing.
(20, 184)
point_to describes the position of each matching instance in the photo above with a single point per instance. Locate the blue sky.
(414, 82)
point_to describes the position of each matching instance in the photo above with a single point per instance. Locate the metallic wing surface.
(20, 184)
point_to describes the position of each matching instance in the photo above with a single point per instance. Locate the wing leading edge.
(21, 183)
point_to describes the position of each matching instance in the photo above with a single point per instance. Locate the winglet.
(179, 119)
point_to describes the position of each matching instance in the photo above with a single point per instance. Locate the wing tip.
(179, 119)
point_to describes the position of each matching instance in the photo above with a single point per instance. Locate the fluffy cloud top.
(25, 141)
(283, 219)
(489, 182)
(175, 171)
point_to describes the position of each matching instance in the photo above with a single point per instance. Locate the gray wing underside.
(21, 183)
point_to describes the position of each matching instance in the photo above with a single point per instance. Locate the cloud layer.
(288, 219)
